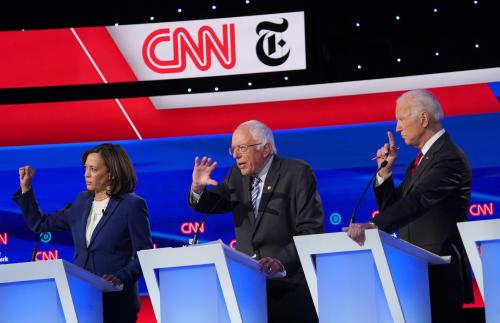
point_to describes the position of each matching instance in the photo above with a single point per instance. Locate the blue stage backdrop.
(340, 155)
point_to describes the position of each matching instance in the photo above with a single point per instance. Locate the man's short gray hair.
(423, 100)
(261, 133)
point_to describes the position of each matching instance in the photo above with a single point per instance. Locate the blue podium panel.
(250, 289)
(30, 301)
(349, 289)
(411, 279)
(191, 294)
(491, 280)
(87, 300)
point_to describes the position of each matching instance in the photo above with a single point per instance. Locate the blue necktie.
(254, 184)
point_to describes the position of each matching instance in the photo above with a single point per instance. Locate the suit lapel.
(272, 178)
(246, 198)
(85, 217)
(113, 203)
(426, 161)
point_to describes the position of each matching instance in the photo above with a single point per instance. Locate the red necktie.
(416, 163)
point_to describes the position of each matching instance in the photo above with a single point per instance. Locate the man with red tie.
(433, 196)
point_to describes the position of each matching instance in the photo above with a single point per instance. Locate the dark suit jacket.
(122, 231)
(290, 205)
(427, 206)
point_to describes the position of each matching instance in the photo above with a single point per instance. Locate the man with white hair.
(433, 196)
(272, 199)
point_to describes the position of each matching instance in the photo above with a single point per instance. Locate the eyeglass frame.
(241, 148)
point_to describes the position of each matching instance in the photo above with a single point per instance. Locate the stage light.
(151, 18)
(358, 24)
(398, 60)
(249, 83)
(189, 90)
(179, 10)
(286, 78)
(214, 7)
(116, 24)
(216, 89)
(247, 1)
(477, 45)
(435, 10)
(436, 53)
(397, 17)
(359, 67)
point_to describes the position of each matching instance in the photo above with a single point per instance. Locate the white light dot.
(179, 10)
(436, 53)
(475, 1)
(189, 90)
(214, 7)
(286, 78)
(247, 1)
(398, 60)
(216, 89)
(435, 10)
(359, 67)
(22, 29)
(116, 24)
(249, 83)
(477, 45)
(151, 18)
(358, 24)
(397, 17)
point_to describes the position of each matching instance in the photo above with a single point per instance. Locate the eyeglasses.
(241, 148)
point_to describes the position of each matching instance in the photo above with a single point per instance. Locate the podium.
(486, 267)
(50, 291)
(204, 283)
(386, 280)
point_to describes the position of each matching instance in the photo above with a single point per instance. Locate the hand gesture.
(115, 281)
(26, 174)
(356, 231)
(201, 174)
(389, 152)
(270, 266)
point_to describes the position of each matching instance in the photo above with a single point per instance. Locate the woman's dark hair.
(123, 178)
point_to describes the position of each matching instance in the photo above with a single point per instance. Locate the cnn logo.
(184, 45)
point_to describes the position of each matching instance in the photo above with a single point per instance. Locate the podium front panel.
(191, 294)
(491, 280)
(349, 289)
(30, 301)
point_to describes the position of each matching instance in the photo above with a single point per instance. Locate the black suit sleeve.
(442, 179)
(309, 215)
(214, 200)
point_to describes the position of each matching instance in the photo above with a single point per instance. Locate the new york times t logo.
(271, 45)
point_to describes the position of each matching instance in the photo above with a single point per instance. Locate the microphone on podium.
(205, 217)
(355, 210)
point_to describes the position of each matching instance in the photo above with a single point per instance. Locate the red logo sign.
(47, 255)
(183, 45)
(4, 238)
(191, 227)
(481, 209)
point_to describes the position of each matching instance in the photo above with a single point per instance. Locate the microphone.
(355, 210)
(204, 218)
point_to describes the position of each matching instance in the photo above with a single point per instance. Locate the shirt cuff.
(379, 180)
(195, 197)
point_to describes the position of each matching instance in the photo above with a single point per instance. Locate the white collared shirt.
(96, 213)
